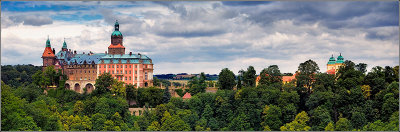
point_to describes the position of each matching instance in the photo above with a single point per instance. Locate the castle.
(83, 69)
(334, 65)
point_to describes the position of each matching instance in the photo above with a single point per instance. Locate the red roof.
(187, 96)
(48, 52)
(116, 46)
(288, 78)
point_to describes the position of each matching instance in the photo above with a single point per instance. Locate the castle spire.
(64, 48)
(48, 42)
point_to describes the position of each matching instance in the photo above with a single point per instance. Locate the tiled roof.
(187, 96)
(81, 58)
(48, 52)
(67, 55)
(288, 78)
(116, 46)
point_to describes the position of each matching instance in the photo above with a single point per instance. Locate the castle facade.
(83, 69)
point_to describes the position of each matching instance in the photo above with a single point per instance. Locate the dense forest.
(353, 99)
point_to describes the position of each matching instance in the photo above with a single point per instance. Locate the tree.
(173, 123)
(299, 123)
(272, 117)
(330, 127)
(155, 126)
(270, 75)
(103, 84)
(343, 125)
(13, 116)
(78, 107)
(289, 112)
(196, 86)
(358, 119)
(131, 92)
(166, 95)
(226, 79)
(305, 77)
(362, 67)
(249, 77)
(118, 88)
(239, 123)
(207, 113)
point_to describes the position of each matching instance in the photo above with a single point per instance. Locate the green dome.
(332, 60)
(48, 43)
(64, 45)
(340, 59)
(116, 33)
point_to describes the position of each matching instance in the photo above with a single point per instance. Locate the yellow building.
(334, 65)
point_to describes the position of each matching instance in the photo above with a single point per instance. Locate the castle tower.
(116, 46)
(48, 55)
(64, 47)
(339, 62)
(334, 65)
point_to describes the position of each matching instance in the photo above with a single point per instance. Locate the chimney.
(54, 51)
(130, 53)
(74, 51)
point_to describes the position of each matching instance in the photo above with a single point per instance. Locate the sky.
(194, 37)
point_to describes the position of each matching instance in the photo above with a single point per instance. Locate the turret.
(48, 55)
(64, 47)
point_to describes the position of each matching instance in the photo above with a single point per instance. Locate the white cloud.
(204, 37)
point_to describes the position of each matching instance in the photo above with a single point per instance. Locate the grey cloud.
(32, 20)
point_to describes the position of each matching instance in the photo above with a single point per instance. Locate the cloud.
(31, 20)
(198, 37)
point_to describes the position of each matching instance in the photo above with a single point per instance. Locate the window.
(129, 71)
(135, 72)
(130, 66)
(117, 71)
(112, 72)
(109, 66)
(104, 66)
(126, 72)
(130, 78)
(113, 66)
(89, 71)
(135, 66)
(126, 78)
(117, 66)
(81, 78)
(99, 72)
(135, 78)
(145, 76)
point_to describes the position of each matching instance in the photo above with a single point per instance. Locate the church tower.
(116, 46)
(48, 55)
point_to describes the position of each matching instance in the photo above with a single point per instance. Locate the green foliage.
(226, 79)
(330, 127)
(19, 75)
(152, 96)
(306, 74)
(240, 123)
(249, 77)
(78, 107)
(98, 121)
(270, 75)
(343, 125)
(197, 85)
(180, 92)
(13, 116)
(166, 95)
(299, 123)
(103, 84)
(272, 117)
(173, 123)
